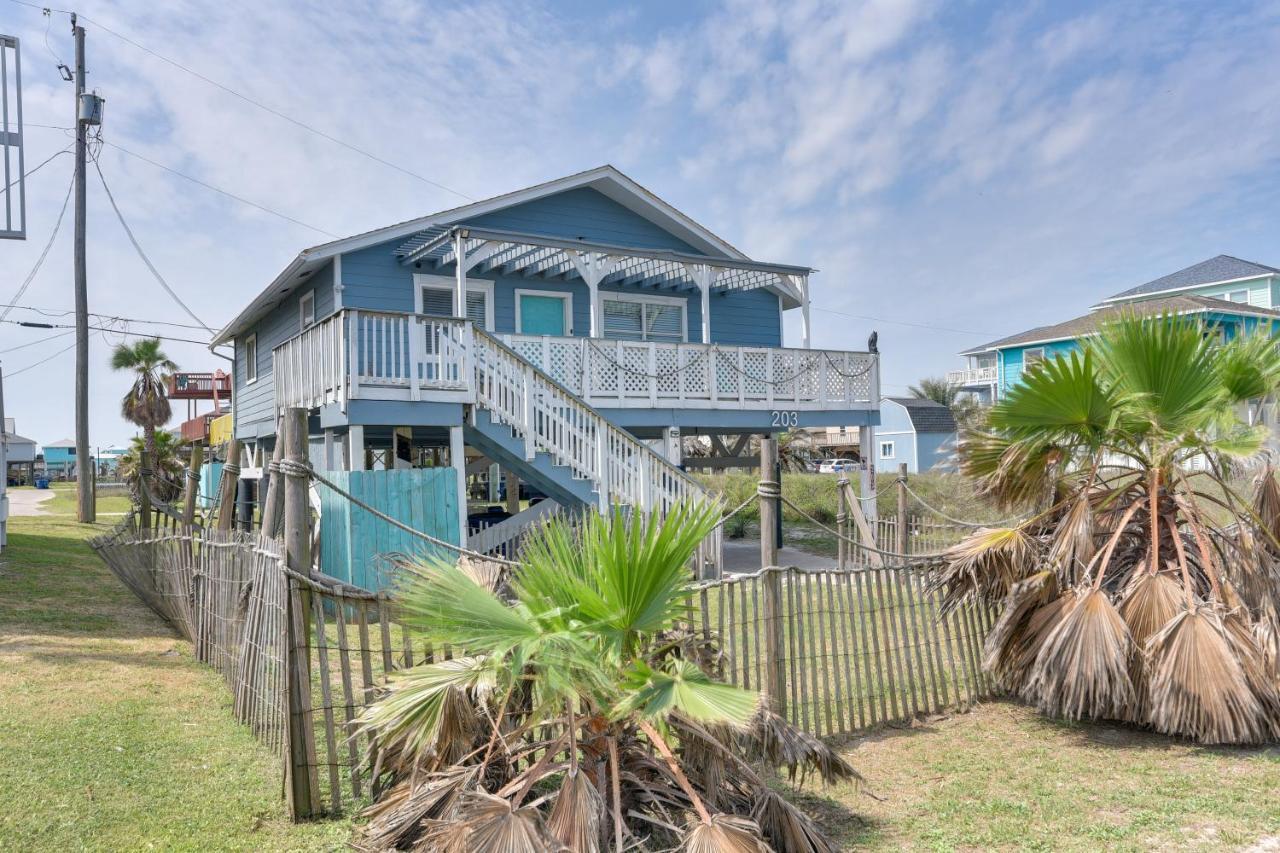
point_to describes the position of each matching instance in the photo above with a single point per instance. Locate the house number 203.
(786, 419)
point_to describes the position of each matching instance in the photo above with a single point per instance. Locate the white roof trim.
(1139, 297)
(605, 179)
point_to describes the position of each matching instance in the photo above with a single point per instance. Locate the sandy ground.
(28, 501)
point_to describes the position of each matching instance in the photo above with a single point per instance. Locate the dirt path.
(27, 502)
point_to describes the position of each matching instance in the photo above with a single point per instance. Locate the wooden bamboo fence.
(838, 651)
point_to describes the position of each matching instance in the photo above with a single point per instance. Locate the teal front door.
(542, 315)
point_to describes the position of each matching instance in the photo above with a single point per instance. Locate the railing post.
(302, 783)
(902, 508)
(771, 576)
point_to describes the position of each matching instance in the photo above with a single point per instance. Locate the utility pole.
(86, 506)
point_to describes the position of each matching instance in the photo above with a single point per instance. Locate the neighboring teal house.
(565, 336)
(1230, 294)
(919, 433)
(60, 460)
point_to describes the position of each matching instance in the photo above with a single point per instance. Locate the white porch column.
(709, 276)
(671, 445)
(593, 291)
(867, 483)
(460, 274)
(804, 310)
(458, 459)
(495, 490)
(355, 448)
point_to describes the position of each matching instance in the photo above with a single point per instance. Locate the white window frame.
(1243, 293)
(448, 282)
(1026, 352)
(566, 300)
(251, 364)
(306, 301)
(615, 296)
(893, 449)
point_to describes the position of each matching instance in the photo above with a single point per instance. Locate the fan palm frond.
(1082, 669)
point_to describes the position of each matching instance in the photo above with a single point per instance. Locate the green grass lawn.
(1003, 777)
(63, 502)
(111, 735)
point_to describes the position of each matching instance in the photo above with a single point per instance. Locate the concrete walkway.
(743, 555)
(28, 501)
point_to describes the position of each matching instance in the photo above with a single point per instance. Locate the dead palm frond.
(1198, 688)
(984, 566)
(771, 739)
(787, 828)
(725, 834)
(489, 824)
(1149, 603)
(575, 818)
(1073, 544)
(1031, 610)
(397, 818)
(1082, 669)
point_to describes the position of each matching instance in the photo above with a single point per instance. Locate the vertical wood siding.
(353, 542)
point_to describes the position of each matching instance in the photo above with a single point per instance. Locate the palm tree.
(1142, 586)
(581, 709)
(964, 408)
(145, 404)
(166, 466)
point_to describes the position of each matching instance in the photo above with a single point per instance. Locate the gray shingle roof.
(1221, 268)
(927, 415)
(1089, 323)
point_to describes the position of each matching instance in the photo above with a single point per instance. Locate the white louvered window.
(438, 302)
(648, 319)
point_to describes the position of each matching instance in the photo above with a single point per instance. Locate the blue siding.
(752, 318)
(583, 214)
(934, 451)
(255, 403)
(1011, 360)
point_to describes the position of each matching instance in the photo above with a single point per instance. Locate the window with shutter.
(438, 302)
(648, 319)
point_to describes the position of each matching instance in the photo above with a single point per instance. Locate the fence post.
(227, 486)
(273, 500)
(842, 521)
(302, 782)
(903, 539)
(770, 494)
(193, 485)
(144, 492)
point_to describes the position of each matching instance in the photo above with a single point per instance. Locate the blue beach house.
(920, 434)
(1230, 294)
(555, 341)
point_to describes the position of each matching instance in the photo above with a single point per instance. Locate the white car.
(835, 466)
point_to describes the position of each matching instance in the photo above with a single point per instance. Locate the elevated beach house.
(1230, 294)
(555, 341)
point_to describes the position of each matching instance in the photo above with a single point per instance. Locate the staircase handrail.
(690, 487)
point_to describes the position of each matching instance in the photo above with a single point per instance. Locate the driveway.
(28, 501)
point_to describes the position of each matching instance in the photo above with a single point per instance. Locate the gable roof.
(66, 442)
(1089, 324)
(14, 438)
(1220, 268)
(605, 179)
(927, 415)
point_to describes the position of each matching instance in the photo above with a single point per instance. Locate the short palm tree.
(1142, 586)
(581, 711)
(166, 465)
(145, 404)
(963, 408)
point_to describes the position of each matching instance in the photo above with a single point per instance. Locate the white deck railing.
(640, 374)
(972, 376)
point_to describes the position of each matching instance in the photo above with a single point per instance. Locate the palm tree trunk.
(149, 442)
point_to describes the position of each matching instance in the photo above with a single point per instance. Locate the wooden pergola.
(530, 255)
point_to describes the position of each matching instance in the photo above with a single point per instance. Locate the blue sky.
(974, 168)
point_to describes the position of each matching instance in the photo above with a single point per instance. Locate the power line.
(138, 248)
(124, 332)
(47, 246)
(33, 343)
(13, 373)
(260, 105)
(905, 323)
(219, 190)
(31, 172)
(62, 312)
